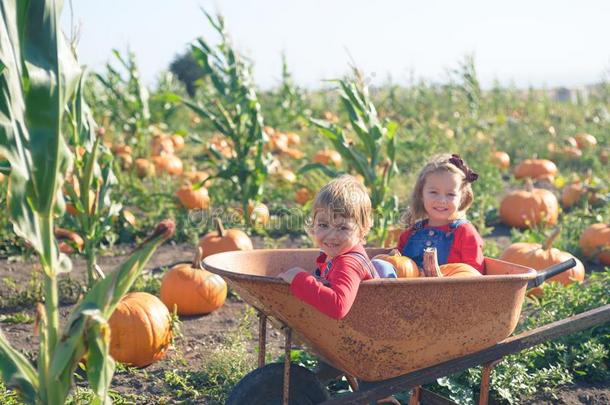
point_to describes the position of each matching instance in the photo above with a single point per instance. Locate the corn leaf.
(17, 372)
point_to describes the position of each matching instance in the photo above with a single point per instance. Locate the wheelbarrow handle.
(550, 272)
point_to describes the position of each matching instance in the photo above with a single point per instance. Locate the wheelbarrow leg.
(262, 338)
(287, 349)
(415, 395)
(485, 378)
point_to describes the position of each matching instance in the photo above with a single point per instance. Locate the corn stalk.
(373, 155)
(230, 103)
(92, 170)
(38, 75)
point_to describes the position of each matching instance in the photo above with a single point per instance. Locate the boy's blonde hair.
(438, 163)
(346, 197)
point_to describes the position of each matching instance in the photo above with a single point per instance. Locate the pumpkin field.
(112, 192)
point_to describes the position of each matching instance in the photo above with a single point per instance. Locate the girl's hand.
(289, 274)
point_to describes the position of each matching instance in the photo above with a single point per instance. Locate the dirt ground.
(202, 333)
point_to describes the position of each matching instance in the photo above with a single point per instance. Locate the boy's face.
(335, 234)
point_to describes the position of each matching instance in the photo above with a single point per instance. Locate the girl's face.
(442, 195)
(335, 234)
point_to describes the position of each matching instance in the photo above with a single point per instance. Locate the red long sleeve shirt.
(344, 277)
(467, 246)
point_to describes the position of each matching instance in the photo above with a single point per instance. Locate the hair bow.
(457, 161)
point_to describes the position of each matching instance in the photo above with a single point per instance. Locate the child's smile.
(335, 235)
(441, 196)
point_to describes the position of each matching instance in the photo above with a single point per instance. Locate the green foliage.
(230, 103)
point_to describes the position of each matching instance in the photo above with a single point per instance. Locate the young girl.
(341, 218)
(439, 201)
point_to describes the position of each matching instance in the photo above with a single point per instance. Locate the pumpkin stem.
(529, 184)
(219, 227)
(548, 243)
(430, 263)
(197, 258)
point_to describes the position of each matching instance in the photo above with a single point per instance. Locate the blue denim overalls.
(423, 237)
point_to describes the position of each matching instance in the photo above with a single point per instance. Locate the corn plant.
(230, 103)
(92, 170)
(124, 100)
(38, 75)
(372, 156)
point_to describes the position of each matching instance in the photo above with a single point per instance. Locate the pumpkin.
(144, 168)
(169, 164)
(125, 160)
(121, 149)
(191, 289)
(293, 153)
(141, 330)
(302, 196)
(595, 243)
(585, 141)
(537, 169)
(223, 240)
(286, 175)
(328, 157)
(404, 266)
(177, 141)
(432, 269)
(540, 256)
(293, 139)
(161, 145)
(330, 117)
(259, 213)
(278, 142)
(500, 159)
(71, 208)
(68, 241)
(604, 154)
(196, 177)
(193, 199)
(571, 193)
(529, 208)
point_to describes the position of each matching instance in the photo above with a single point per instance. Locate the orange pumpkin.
(540, 256)
(68, 241)
(196, 177)
(293, 139)
(286, 175)
(595, 243)
(162, 145)
(192, 290)
(144, 168)
(278, 141)
(571, 193)
(604, 155)
(223, 240)
(121, 149)
(500, 159)
(328, 157)
(585, 141)
(404, 266)
(529, 208)
(169, 164)
(537, 169)
(302, 196)
(192, 199)
(259, 213)
(141, 330)
(177, 141)
(293, 153)
(125, 160)
(432, 269)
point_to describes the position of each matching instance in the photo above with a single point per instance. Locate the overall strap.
(367, 263)
(457, 223)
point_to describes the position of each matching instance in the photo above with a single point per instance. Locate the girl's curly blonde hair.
(440, 163)
(346, 197)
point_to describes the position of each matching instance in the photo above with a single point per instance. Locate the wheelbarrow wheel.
(265, 386)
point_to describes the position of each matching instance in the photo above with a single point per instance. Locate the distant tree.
(187, 70)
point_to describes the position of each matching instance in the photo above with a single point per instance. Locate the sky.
(522, 43)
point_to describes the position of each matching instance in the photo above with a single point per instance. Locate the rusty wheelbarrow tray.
(395, 326)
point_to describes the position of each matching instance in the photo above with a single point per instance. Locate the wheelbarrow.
(396, 327)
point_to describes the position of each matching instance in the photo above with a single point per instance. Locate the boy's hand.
(289, 274)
